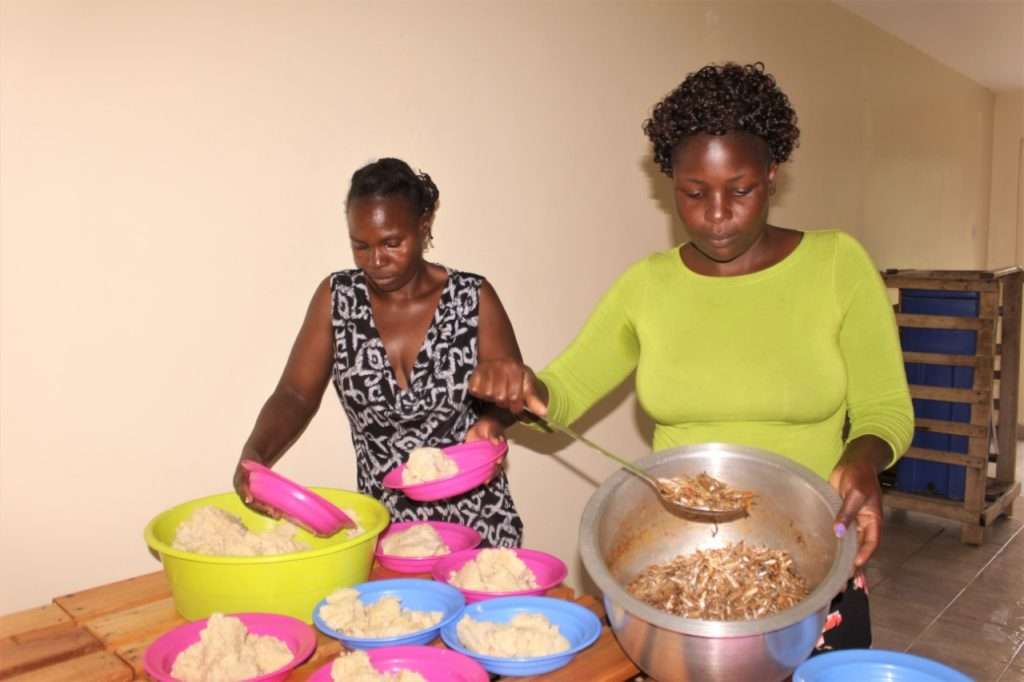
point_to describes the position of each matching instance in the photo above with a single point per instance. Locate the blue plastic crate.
(915, 475)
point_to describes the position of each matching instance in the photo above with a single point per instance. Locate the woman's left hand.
(855, 478)
(487, 427)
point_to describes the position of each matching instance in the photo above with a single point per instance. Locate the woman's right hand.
(509, 384)
(241, 483)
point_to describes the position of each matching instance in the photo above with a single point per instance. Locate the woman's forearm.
(281, 421)
(867, 449)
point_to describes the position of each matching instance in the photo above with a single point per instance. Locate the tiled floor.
(962, 605)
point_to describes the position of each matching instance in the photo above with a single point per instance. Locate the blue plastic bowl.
(866, 665)
(415, 595)
(577, 624)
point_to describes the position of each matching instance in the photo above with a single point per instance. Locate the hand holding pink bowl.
(295, 502)
(549, 570)
(456, 536)
(436, 665)
(477, 461)
(159, 658)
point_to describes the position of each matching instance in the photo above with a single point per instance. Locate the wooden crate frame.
(995, 391)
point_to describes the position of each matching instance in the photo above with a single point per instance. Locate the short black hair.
(393, 177)
(719, 99)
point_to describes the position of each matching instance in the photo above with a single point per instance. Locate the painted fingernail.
(840, 530)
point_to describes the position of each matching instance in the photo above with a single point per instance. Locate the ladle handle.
(626, 464)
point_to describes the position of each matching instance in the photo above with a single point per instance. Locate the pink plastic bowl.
(456, 536)
(158, 660)
(295, 502)
(435, 664)
(477, 461)
(548, 569)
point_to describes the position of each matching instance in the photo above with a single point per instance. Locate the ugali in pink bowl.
(455, 535)
(158, 660)
(435, 664)
(477, 461)
(547, 568)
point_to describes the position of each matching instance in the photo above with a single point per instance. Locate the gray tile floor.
(961, 605)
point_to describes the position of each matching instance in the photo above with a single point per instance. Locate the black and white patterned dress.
(387, 421)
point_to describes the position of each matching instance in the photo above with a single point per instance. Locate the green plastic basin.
(290, 584)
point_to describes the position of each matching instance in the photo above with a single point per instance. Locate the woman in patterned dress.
(399, 338)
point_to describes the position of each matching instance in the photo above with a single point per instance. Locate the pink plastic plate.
(456, 536)
(299, 637)
(477, 463)
(548, 569)
(298, 504)
(436, 665)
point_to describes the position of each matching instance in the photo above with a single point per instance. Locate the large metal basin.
(625, 529)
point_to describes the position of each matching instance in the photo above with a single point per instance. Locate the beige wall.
(1006, 212)
(1006, 245)
(171, 192)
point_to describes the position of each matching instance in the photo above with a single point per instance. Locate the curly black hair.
(721, 99)
(393, 177)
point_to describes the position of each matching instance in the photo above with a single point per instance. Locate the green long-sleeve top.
(774, 359)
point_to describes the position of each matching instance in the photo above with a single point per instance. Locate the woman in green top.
(749, 333)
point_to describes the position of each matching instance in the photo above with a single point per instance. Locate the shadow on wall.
(552, 443)
(663, 195)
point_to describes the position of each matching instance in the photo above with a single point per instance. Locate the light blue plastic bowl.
(869, 665)
(576, 623)
(415, 595)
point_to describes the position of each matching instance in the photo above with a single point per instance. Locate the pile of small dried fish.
(736, 582)
(705, 492)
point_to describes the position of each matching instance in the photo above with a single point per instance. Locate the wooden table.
(101, 634)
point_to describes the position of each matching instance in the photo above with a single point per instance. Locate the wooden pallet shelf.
(993, 397)
(953, 509)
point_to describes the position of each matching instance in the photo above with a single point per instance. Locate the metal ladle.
(695, 513)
